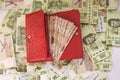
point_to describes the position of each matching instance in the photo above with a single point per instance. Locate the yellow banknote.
(2, 4)
(112, 4)
(94, 14)
(92, 44)
(113, 28)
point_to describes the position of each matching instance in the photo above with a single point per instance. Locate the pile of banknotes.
(60, 28)
(100, 22)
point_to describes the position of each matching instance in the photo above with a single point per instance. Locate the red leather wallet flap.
(35, 37)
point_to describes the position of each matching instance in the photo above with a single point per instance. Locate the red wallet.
(37, 36)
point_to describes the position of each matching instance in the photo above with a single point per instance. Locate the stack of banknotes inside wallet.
(53, 36)
(58, 39)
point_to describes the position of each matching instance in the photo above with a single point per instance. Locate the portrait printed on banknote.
(114, 24)
(90, 40)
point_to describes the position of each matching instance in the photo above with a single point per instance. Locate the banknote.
(60, 68)
(80, 66)
(64, 77)
(113, 37)
(102, 36)
(93, 75)
(92, 44)
(39, 4)
(94, 14)
(7, 77)
(103, 3)
(105, 64)
(21, 62)
(7, 51)
(24, 66)
(89, 75)
(23, 76)
(101, 25)
(102, 20)
(20, 34)
(76, 3)
(86, 4)
(58, 4)
(60, 29)
(112, 4)
(22, 11)
(102, 75)
(12, 4)
(95, 2)
(84, 15)
(1, 68)
(2, 4)
(10, 71)
(9, 22)
(88, 62)
(102, 12)
(44, 74)
(53, 75)
(28, 4)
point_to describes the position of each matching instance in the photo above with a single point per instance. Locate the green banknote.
(20, 34)
(44, 74)
(39, 4)
(113, 28)
(9, 21)
(92, 44)
(64, 77)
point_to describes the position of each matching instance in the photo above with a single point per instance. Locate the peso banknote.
(2, 4)
(7, 51)
(105, 64)
(58, 4)
(94, 14)
(64, 77)
(113, 23)
(84, 15)
(14, 4)
(112, 4)
(39, 4)
(20, 34)
(103, 4)
(9, 21)
(44, 74)
(88, 62)
(93, 75)
(101, 26)
(92, 44)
